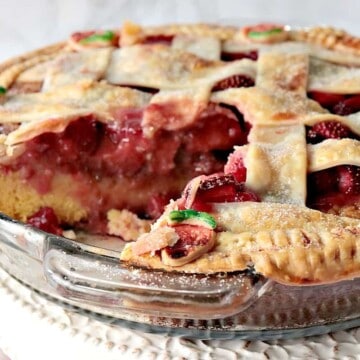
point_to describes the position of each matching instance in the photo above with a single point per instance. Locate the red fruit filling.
(337, 103)
(156, 205)
(220, 188)
(231, 56)
(104, 159)
(189, 237)
(45, 220)
(326, 100)
(348, 106)
(234, 81)
(235, 166)
(158, 39)
(328, 130)
(219, 128)
(349, 179)
(332, 189)
(322, 182)
(77, 36)
(143, 89)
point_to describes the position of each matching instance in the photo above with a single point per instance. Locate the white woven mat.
(32, 327)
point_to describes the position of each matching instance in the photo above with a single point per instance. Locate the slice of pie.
(254, 130)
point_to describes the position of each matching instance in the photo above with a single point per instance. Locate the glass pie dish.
(99, 132)
(87, 276)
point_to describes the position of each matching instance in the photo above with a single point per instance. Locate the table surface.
(34, 328)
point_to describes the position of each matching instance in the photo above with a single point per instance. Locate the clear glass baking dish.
(88, 277)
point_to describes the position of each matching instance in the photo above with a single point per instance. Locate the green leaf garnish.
(189, 214)
(106, 36)
(2, 90)
(257, 34)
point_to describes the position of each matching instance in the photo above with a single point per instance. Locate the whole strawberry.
(347, 106)
(349, 179)
(327, 130)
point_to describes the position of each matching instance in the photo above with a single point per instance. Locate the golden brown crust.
(12, 68)
(329, 37)
(162, 67)
(288, 243)
(288, 72)
(69, 68)
(261, 106)
(53, 110)
(333, 78)
(352, 210)
(132, 33)
(331, 153)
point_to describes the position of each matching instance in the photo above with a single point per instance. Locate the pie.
(249, 134)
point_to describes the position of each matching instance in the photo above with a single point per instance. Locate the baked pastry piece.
(262, 123)
(287, 203)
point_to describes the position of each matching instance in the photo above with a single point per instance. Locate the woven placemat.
(32, 327)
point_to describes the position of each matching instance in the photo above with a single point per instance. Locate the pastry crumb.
(69, 234)
(153, 241)
(126, 224)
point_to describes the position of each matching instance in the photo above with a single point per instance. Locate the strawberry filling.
(232, 56)
(337, 103)
(78, 36)
(202, 192)
(149, 90)
(235, 166)
(156, 205)
(328, 130)
(216, 188)
(234, 81)
(333, 189)
(158, 39)
(337, 188)
(219, 127)
(189, 237)
(104, 158)
(45, 220)
(348, 179)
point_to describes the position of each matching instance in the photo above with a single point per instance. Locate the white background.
(27, 24)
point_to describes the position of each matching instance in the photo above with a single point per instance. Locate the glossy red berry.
(347, 106)
(349, 179)
(328, 130)
(232, 56)
(235, 81)
(46, 220)
(326, 100)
